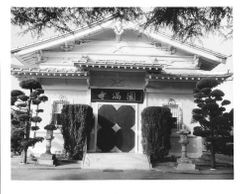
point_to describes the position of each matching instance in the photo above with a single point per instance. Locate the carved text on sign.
(117, 95)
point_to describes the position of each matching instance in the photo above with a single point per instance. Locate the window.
(57, 111)
(177, 113)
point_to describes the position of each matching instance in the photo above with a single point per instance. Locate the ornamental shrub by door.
(157, 123)
(77, 123)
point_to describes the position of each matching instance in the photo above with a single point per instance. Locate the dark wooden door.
(116, 128)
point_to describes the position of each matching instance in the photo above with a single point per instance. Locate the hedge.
(77, 122)
(157, 123)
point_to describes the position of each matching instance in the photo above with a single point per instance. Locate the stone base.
(121, 161)
(184, 160)
(205, 159)
(185, 164)
(206, 156)
(47, 159)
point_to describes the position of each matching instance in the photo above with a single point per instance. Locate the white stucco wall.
(76, 92)
(183, 97)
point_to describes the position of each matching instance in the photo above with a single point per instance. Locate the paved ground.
(74, 172)
(78, 174)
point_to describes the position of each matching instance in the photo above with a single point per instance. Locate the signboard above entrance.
(117, 95)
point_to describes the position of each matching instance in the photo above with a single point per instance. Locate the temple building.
(118, 68)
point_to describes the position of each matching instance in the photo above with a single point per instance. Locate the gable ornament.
(118, 29)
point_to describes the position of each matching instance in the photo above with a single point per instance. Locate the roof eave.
(69, 35)
(187, 47)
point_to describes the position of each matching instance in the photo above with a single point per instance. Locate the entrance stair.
(121, 161)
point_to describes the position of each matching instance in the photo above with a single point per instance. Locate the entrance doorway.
(116, 128)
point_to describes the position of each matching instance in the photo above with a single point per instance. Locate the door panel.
(116, 128)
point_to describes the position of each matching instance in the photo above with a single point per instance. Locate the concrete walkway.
(72, 171)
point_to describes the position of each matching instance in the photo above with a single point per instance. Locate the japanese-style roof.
(48, 72)
(187, 75)
(117, 64)
(60, 36)
(209, 51)
(109, 23)
(164, 75)
(47, 59)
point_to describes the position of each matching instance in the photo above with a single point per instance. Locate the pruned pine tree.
(24, 116)
(215, 124)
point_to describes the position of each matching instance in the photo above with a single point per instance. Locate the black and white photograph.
(120, 93)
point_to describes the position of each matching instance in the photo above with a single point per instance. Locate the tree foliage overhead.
(189, 22)
(36, 19)
(184, 22)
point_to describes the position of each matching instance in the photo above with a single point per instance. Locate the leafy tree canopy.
(189, 22)
(184, 22)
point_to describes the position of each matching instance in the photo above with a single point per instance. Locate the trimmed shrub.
(34, 128)
(15, 93)
(215, 125)
(77, 122)
(36, 101)
(23, 97)
(17, 135)
(30, 84)
(39, 91)
(206, 83)
(50, 127)
(157, 123)
(22, 116)
(36, 119)
(43, 98)
(39, 110)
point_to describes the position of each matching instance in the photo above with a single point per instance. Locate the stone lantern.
(47, 158)
(184, 163)
(49, 137)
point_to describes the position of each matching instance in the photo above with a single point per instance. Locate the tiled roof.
(177, 75)
(189, 76)
(117, 64)
(48, 72)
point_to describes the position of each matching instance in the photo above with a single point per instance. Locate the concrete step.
(116, 161)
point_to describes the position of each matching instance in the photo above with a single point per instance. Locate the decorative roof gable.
(112, 45)
(79, 35)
